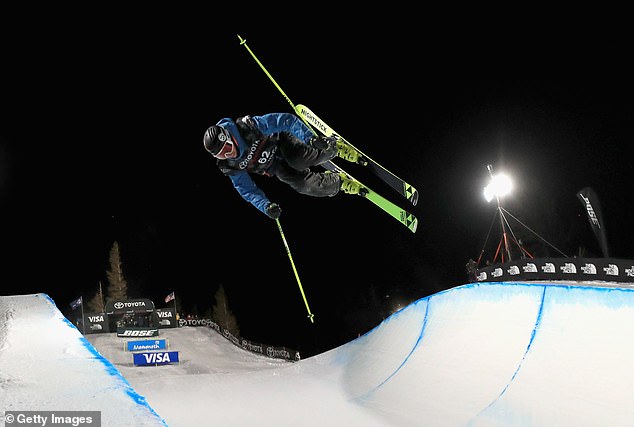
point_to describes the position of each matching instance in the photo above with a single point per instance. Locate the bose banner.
(137, 332)
(590, 202)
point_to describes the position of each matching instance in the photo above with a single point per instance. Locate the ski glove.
(273, 210)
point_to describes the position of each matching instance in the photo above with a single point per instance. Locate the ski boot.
(348, 153)
(323, 142)
(327, 145)
(352, 186)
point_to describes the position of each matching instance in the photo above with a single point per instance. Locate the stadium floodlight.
(499, 186)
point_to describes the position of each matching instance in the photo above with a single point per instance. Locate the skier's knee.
(303, 188)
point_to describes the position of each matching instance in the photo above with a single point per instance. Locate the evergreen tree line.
(117, 289)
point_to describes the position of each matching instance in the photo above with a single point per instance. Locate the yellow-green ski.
(406, 218)
(398, 184)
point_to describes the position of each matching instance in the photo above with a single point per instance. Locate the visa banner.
(147, 345)
(155, 358)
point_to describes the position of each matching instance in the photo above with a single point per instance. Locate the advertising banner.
(155, 358)
(95, 323)
(166, 317)
(574, 269)
(146, 345)
(254, 347)
(137, 332)
(590, 202)
(140, 305)
(193, 322)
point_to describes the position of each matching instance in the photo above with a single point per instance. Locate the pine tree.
(117, 285)
(222, 315)
(96, 304)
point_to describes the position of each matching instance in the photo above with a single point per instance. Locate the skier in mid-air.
(280, 145)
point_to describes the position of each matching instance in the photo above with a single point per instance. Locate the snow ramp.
(499, 354)
(482, 354)
(47, 365)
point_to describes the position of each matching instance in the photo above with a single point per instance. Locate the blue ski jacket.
(257, 151)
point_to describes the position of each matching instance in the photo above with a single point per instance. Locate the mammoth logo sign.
(147, 345)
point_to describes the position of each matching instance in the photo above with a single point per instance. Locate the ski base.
(404, 217)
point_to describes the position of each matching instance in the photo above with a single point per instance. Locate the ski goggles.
(228, 148)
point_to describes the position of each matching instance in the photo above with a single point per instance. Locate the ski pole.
(243, 42)
(288, 251)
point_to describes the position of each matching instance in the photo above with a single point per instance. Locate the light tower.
(499, 186)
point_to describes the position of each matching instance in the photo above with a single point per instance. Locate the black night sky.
(101, 140)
